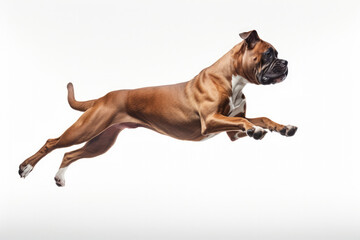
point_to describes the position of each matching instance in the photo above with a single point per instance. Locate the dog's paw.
(288, 131)
(256, 132)
(25, 170)
(60, 182)
(60, 177)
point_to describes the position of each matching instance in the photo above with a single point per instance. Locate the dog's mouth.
(273, 78)
(276, 72)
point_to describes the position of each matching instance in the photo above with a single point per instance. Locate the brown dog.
(210, 103)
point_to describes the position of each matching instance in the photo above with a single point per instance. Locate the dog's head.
(258, 61)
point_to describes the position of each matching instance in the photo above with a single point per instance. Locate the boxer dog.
(210, 103)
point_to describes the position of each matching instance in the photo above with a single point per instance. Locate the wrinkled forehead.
(263, 47)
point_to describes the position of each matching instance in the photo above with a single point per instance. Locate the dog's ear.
(251, 38)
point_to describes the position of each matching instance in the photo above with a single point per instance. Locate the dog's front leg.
(264, 122)
(218, 123)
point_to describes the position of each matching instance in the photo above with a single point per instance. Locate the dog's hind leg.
(95, 147)
(90, 124)
(27, 166)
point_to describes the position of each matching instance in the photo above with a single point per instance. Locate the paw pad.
(288, 131)
(59, 182)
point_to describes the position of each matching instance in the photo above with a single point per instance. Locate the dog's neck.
(228, 66)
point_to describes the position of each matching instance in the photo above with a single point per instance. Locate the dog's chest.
(237, 98)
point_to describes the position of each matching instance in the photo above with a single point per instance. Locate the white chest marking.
(237, 102)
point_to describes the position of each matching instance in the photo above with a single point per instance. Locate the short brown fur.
(192, 110)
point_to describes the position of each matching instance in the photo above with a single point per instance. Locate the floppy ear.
(251, 38)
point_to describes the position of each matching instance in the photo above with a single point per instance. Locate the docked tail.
(77, 105)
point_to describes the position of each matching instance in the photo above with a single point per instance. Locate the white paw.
(24, 171)
(59, 177)
(288, 130)
(256, 132)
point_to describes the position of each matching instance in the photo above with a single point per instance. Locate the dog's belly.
(179, 131)
(166, 110)
(188, 129)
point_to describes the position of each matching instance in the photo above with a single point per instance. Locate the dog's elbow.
(207, 126)
(204, 129)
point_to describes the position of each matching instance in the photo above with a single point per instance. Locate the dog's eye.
(267, 57)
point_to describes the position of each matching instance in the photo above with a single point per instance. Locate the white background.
(150, 186)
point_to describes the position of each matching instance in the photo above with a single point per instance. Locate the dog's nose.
(284, 62)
